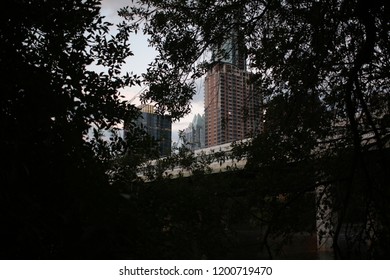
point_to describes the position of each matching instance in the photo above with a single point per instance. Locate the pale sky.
(143, 55)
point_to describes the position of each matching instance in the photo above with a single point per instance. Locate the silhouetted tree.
(321, 69)
(56, 200)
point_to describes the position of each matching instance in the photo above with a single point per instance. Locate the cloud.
(110, 8)
(138, 63)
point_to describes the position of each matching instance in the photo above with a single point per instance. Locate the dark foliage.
(56, 201)
(321, 70)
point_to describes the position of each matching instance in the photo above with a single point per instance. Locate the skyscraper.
(232, 109)
(159, 127)
(194, 133)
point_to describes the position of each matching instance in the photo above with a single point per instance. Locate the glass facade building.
(195, 133)
(159, 127)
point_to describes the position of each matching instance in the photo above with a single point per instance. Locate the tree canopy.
(321, 69)
(54, 169)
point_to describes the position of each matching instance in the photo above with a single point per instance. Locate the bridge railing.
(207, 160)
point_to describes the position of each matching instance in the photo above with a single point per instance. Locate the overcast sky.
(143, 55)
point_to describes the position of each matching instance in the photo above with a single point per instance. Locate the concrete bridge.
(220, 158)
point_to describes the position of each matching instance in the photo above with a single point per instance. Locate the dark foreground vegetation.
(321, 70)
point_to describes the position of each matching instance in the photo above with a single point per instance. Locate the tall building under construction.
(232, 107)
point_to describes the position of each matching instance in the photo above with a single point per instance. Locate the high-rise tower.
(159, 127)
(232, 109)
(194, 133)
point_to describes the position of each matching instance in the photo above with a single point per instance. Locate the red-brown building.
(232, 108)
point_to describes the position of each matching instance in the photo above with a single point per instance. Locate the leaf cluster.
(59, 118)
(321, 72)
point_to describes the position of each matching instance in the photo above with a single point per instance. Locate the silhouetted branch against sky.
(143, 56)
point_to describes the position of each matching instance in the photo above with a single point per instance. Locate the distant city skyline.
(138, 63)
